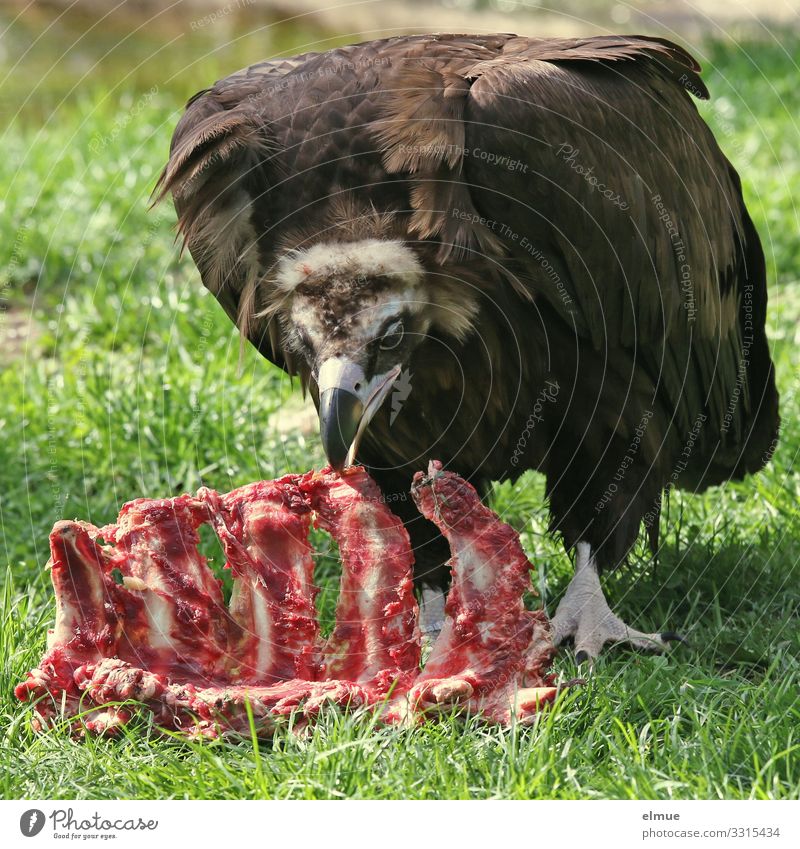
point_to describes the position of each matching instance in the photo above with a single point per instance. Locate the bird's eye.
(393, 336)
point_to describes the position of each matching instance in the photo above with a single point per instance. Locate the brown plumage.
(592, 296)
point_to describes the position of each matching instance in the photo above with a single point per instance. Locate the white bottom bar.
(394, 825)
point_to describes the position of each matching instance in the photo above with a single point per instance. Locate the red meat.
(141, 620)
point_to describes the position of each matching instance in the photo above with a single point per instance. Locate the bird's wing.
(585, 165)
(222, 162)
(256, 158)
(589, 150)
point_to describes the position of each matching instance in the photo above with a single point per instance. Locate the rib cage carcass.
(141, 620)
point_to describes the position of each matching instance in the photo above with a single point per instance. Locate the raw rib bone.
(376, 615)
(263, 528)
(492, 652)
(141, 618)
(170, 600)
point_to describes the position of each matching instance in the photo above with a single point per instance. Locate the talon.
(673, 637)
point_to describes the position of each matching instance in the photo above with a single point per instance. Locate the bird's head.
(354, 313)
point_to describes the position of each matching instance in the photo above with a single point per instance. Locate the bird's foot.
(584, 616)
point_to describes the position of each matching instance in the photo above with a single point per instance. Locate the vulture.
(501, 252)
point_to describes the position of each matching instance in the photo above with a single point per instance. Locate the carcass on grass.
(141, 621)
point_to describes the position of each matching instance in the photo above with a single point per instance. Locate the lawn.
(120, 379)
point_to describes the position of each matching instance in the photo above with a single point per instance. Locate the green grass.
(128, 385)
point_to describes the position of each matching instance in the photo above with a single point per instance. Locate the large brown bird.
(534, 247)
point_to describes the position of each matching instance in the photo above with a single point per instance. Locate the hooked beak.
(347, 403)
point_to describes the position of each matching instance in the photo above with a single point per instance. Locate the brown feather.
(534, 277)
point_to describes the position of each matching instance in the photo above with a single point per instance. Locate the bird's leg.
(584, 615)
